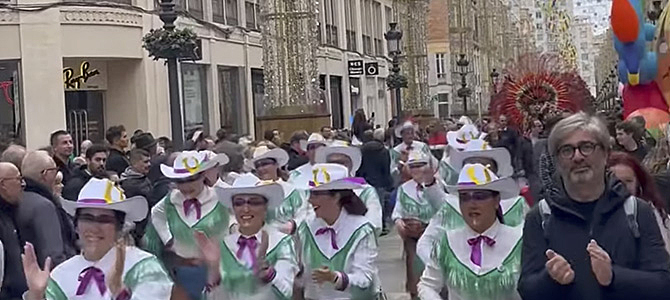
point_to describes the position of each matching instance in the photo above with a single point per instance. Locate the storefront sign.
(372, 69)
(355, 67)
(84, 75)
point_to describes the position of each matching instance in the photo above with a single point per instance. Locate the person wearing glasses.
(107, 267)
(412, 213)
(256, 261)
(11, 191)
(41, 218)
(191, 207)
(267, 163)
(480, 260)
(589, 239)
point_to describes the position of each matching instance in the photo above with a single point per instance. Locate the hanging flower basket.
(394, 81)
(178, 43)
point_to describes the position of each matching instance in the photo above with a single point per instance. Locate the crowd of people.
(570, 209)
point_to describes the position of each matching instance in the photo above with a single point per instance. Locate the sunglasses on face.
(102, 219)
(264, 162)
(188, 179)
(255, 202)
(416, 166)
(476, 196)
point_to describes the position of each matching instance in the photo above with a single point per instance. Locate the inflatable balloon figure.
(638, 67)
(539, 87)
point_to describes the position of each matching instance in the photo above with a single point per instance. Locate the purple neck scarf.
(249, 243)
(91, 274)
(195, 204)
(475, 244)
(333, 241)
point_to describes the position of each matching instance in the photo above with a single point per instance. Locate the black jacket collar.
(38, 188)
(614, 196)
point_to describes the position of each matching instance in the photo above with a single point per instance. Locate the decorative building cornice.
(100, 16)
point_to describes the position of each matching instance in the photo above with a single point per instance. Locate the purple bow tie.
(88, 274)
(193, 203)
(249, 243)
(475, 244)
(333, 241)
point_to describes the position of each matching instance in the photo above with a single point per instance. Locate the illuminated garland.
(412, 20)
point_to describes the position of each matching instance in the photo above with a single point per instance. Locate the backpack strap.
(630, 207)
(545, 213)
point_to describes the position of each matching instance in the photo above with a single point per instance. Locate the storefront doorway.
(85, 116)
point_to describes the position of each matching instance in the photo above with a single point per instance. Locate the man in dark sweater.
(118, 142)
(376, 169)
(62, 145)
(96, 157)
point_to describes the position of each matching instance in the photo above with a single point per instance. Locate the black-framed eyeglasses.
(18, 178)
(476, 196)
(264, 162)
(585, 148)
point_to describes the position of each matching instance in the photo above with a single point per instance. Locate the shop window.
(10, 113)
(194, 95)
(231, 101)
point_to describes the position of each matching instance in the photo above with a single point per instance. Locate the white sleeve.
(431, 282)
(430, 236)
(374, 214)
(435, 194)
(363, 271)
(398, 210)
(286, 269)
(159, 220)
(153, 290)
(302, 211)
(2, 263)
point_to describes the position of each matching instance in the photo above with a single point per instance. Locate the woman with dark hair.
(481, 260)
(359, 126)
(640, 184)
(339, 245)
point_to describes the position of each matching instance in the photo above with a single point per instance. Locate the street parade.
(261, 150)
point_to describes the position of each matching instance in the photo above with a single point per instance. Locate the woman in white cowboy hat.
(456, 142)
(257, 261)
(411, 215)
(107, 268)
(407, 132)
(482, 260)
(191, 207)
(339, 247)
(294, 208)
(301, 175)
(339, 152)
(448, 215)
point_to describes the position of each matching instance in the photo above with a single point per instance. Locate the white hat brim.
(452, 141)
(507, 187)
(342, 184)
(398, 130)
(219, 160)
(304, 144)
(135, 208)
(499, 155)
(352, 152)
(274, 193)
(170, 173)
(278, 154)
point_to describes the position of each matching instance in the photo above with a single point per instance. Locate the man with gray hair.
(40, 216)
(14, 154)
(589, 239)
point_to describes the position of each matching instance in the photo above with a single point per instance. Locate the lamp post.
(168, 15)
(393, 37)
(464, 91)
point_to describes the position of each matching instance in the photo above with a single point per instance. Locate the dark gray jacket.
(14, 283)
(640, 266)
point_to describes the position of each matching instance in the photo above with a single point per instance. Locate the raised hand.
(114, 278)
(601, 264)
(209, 250)
(558, 268)
(261, 267)
(36, 278)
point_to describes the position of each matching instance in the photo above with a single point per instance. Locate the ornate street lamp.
(168, 15)
(395, 81)
(464, 91)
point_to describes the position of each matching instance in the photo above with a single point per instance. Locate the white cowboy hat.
(481, 148)
(104, 194)
(326, 177)
(314, 138)
(417, 157)
(191, 163)
(249, 184)
(340, 147)
(464, 120)
(218, 159)
(405, 125)
(479, 177)
(263, 152)
(458, 139)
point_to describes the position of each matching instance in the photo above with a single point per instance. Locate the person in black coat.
(587, 247)
(14, 282)
(376, 169)
(96, 157)
(117, 138)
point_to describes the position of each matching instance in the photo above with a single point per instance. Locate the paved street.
(392, 267)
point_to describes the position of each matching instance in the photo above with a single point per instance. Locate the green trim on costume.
(212, 224)
(151, 242)
(413, 209)
(53, 291)
(287, 209)
(447, 173)
(498, 283)
(149, 269)
(238, 279)
(338, 261)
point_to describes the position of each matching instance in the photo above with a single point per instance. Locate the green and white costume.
(294, 207)
(370, 198)
(169, 222)
(449, 217)
(353, 257)
(143, 277)
(396, 152)
(496, 276)
(237, 276)
(412, 203)
(446, 172)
